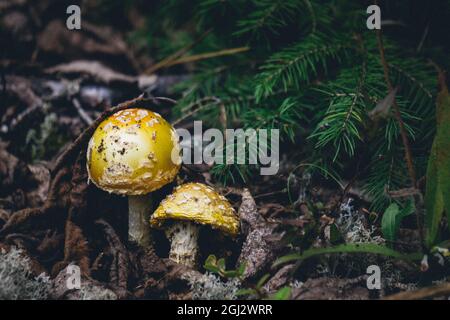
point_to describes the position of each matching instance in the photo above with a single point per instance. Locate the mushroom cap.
(198, 203)
(130, 153)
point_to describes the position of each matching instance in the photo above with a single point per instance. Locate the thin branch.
(209, 101)
(207, 55)
(424, 293)
(408, 154)
(177, 54)
(82, 113)
(196, 106)
(424, 36)
(404, 136)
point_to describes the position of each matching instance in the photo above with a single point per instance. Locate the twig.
(200, 103)
(424, 293)
(269, 194)
(156, 99)
(402, 193)
(177, 54)
(83, 114)
(208, 55)
(405, 141)
(424, 36)
(196, 106)
(408, 154)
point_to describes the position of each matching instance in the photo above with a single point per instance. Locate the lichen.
(96, 293)
(352, 226)
(210, 287)
(16, 279)
(354, 229)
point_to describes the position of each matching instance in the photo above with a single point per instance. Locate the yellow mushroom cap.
(198, 203)
(130, 153)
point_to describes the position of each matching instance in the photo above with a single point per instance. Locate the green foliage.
(298, 64)
(437, 197)
(218, 266)
(348, 248)
(282, 294)
(267, 16)
(314, 72)
(341, 125)
(256, 290)
(392, 218)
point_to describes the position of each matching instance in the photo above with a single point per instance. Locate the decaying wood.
(257, 252)
(280, 279)
(76, 248)
(90, 288)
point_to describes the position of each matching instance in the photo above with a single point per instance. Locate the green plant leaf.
(437, 196)
(211, 264)
(211, 260)
(229, 273)
(245, 292)
(221, 264)
(349, 248)
(335, 235)
(263, 280)
(282, 294)
(241, 269)
(392, 218)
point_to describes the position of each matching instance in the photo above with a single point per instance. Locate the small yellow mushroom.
(182, 213)
(134, 152)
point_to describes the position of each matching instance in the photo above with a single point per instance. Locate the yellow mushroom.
(181, 213)
(132, 153)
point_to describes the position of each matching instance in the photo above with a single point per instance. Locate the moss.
(44, 141)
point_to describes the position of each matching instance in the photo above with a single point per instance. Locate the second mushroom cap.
(200, 204)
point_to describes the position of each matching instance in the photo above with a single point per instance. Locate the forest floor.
(56, 85)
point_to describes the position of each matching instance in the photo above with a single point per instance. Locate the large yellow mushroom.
(182, 213)
(132, 153)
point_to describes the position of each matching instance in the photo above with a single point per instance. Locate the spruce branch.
(267, 14)
(344, 118)
(412, 79)
(298, 63)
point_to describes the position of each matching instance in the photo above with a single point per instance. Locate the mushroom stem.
(139, 209)
(183, 236)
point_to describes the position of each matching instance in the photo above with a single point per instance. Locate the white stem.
(139, 210)
(183, 236)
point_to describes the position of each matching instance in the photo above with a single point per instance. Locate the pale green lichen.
(210, 287)
(96, 293)
(352, 226)
(16, 279)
